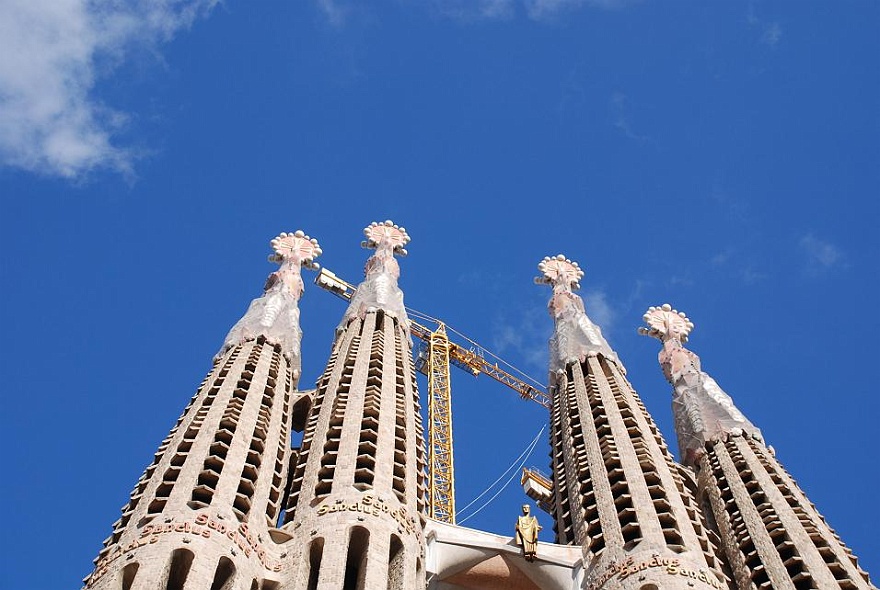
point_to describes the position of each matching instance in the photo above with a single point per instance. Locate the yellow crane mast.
(441, 353)
(440, 464)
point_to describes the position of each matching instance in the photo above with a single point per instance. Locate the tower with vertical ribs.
(356, 508)
(772, 535)
(204, 512)
(627, 516)
(618, 492)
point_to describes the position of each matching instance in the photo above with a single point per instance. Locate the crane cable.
(524, 456)
(424, 316)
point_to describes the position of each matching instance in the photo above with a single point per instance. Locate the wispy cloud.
(736, 208)
(770, 32)
(51, 54)
(468, 10)
(541, 9)
(337, 11)
(735, 263)
(750, 275)
(821, 255)
(620, 107)
(599, 310)
(523, 333)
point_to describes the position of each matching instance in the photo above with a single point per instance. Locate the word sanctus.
(373, 506)
(624, 569)
(204, 526)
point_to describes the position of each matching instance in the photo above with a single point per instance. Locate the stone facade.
(618, 491)
(203, 514)
(772, 535)
(356, 510)
(627, 516)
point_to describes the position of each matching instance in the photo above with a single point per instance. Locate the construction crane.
(441, 353)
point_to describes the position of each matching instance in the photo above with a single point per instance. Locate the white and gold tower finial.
(576, 337)
(386, 234)
(296, 247)
(702, 411)
(379, 288)
(275, 314)
(560, 272)
(665, 323)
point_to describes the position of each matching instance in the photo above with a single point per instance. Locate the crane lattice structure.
(441, 353)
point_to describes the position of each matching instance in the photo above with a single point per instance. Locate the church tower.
(618, 492)
(204, 512)
(773, 536)
(357, 497)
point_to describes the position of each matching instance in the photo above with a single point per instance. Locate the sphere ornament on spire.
(559, 270)
(296, 246)
(665, 323)
(387, 232)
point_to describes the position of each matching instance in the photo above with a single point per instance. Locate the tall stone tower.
(356, 507)
(618, 492)
(772, 535)
(203, 513)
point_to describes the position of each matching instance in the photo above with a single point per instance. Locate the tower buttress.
(619, 494)
(772, 535)
(356, 508)
(204, 512)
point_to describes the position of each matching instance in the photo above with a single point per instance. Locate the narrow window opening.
(223, 576)
(395, 564)
(355, 565)
(181, 561)
(316, 551)
(128, 574)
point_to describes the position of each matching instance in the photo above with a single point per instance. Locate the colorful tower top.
(275, 314)
(379, 289)
(576, 337)
(703, 412)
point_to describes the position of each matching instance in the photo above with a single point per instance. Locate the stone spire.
(702, 411)
(204, 513)
(771, 534)
(275, 314)
(576, 336)
(617, 491)
(356, 507)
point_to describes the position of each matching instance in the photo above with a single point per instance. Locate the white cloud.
(750, 276)
(474, 9)
(525, 335)
(521, 334)
(821, 255)
(539, 9)
(599, 310)
(337, 11)
(770, 32)
(620, 112)
(51, 54)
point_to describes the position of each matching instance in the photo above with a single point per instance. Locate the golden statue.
(527, 528)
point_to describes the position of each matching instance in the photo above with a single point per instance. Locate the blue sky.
(722, 157)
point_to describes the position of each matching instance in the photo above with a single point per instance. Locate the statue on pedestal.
(527, 528)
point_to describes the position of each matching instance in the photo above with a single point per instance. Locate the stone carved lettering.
(204, 526)
(628, 567)
(374, 507)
